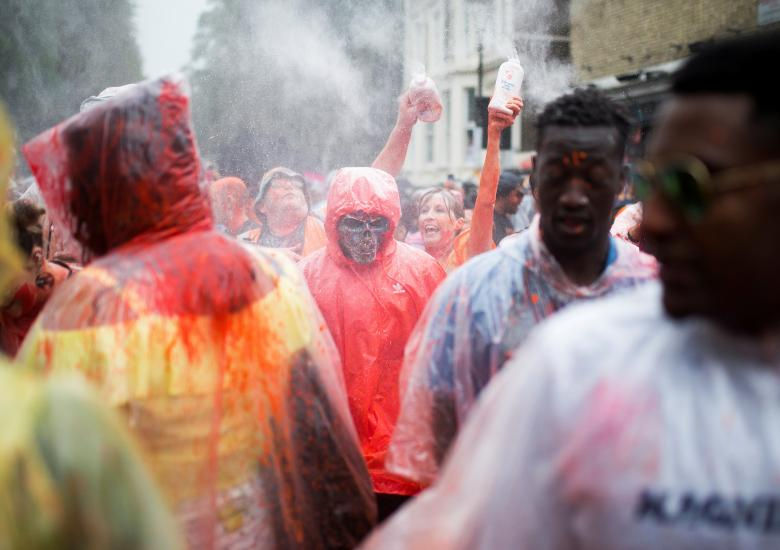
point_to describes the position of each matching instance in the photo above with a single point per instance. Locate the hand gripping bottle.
(425, 97)
(508, 82)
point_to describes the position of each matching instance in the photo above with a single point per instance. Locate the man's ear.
(260, 207)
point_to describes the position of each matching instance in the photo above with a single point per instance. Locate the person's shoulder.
(251, 236)
(631, 261)
(411, 261)
(600, 329)
(408, 251)
(315, 222)
(501, 262)
(314, 259)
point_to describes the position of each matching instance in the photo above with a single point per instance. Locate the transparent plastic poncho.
(482, 312)
(215, 354)
(613, 428)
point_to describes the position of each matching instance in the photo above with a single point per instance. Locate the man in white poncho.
(647, 420)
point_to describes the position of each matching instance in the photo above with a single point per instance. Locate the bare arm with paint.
(481, 237)
(391, 158)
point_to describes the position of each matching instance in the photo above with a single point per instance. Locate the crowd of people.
(194, 362)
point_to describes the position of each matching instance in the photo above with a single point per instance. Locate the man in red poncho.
(214, 352)
(371, 290)
(229, 201)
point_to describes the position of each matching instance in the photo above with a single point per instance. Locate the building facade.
(445, 36)
(628, 48)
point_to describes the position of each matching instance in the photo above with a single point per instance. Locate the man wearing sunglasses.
(371, 290)
(650, 419)
(282, 210)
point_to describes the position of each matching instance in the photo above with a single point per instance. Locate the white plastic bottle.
(508, 83)
(425, 97)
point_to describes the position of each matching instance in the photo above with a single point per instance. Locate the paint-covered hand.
(407, 112)
(498, 121)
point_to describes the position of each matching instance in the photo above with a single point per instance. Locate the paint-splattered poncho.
(215, 354)
(481, 313)
(371, 310)
(613, 427)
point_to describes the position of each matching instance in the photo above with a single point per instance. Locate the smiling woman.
(440, 221)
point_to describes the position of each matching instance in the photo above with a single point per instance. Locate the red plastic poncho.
(371, 310)
(215, 353)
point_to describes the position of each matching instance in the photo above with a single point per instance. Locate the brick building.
(626, 47)
(629, 47)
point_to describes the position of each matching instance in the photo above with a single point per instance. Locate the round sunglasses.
(687, 183)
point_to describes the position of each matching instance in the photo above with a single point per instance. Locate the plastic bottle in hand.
(508, 83)
(425, 97)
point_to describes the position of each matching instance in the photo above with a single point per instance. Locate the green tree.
(301, 83)
(55, 54)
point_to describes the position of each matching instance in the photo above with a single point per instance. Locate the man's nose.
(574, 195)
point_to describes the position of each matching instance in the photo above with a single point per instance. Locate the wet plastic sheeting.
(215, 353)
(474, 322)
(371, 310)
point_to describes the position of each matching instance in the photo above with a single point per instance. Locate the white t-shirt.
(614, 427)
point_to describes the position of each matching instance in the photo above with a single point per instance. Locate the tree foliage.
(307, 84)
(55, 54)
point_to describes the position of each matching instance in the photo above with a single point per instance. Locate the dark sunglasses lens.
(685, 189)
(643, 186)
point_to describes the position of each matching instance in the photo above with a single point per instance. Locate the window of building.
(528, 133)
(471, 110)
(473, 132)
(445, 101)
(447, 31)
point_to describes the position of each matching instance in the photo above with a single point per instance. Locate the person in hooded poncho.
(69, 475)
(486, 308)
(214, 353)
(648, 419)
(371, 290)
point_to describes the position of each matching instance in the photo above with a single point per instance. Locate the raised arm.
(391, 158)
(481, 237)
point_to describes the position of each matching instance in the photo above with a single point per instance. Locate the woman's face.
(438, 226)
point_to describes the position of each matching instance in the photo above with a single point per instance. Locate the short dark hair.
(508, 181)
(737, 66)
(586, 107)
(469, 195)
(27, 225)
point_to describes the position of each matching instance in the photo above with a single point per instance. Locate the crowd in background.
(526, 362)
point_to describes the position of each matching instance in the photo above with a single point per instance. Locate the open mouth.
(431, 230)
(573, 225)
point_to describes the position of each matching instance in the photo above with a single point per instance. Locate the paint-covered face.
(578, 173)
(285, 196)
(360, 236)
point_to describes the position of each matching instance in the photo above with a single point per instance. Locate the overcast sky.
(165, 31)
